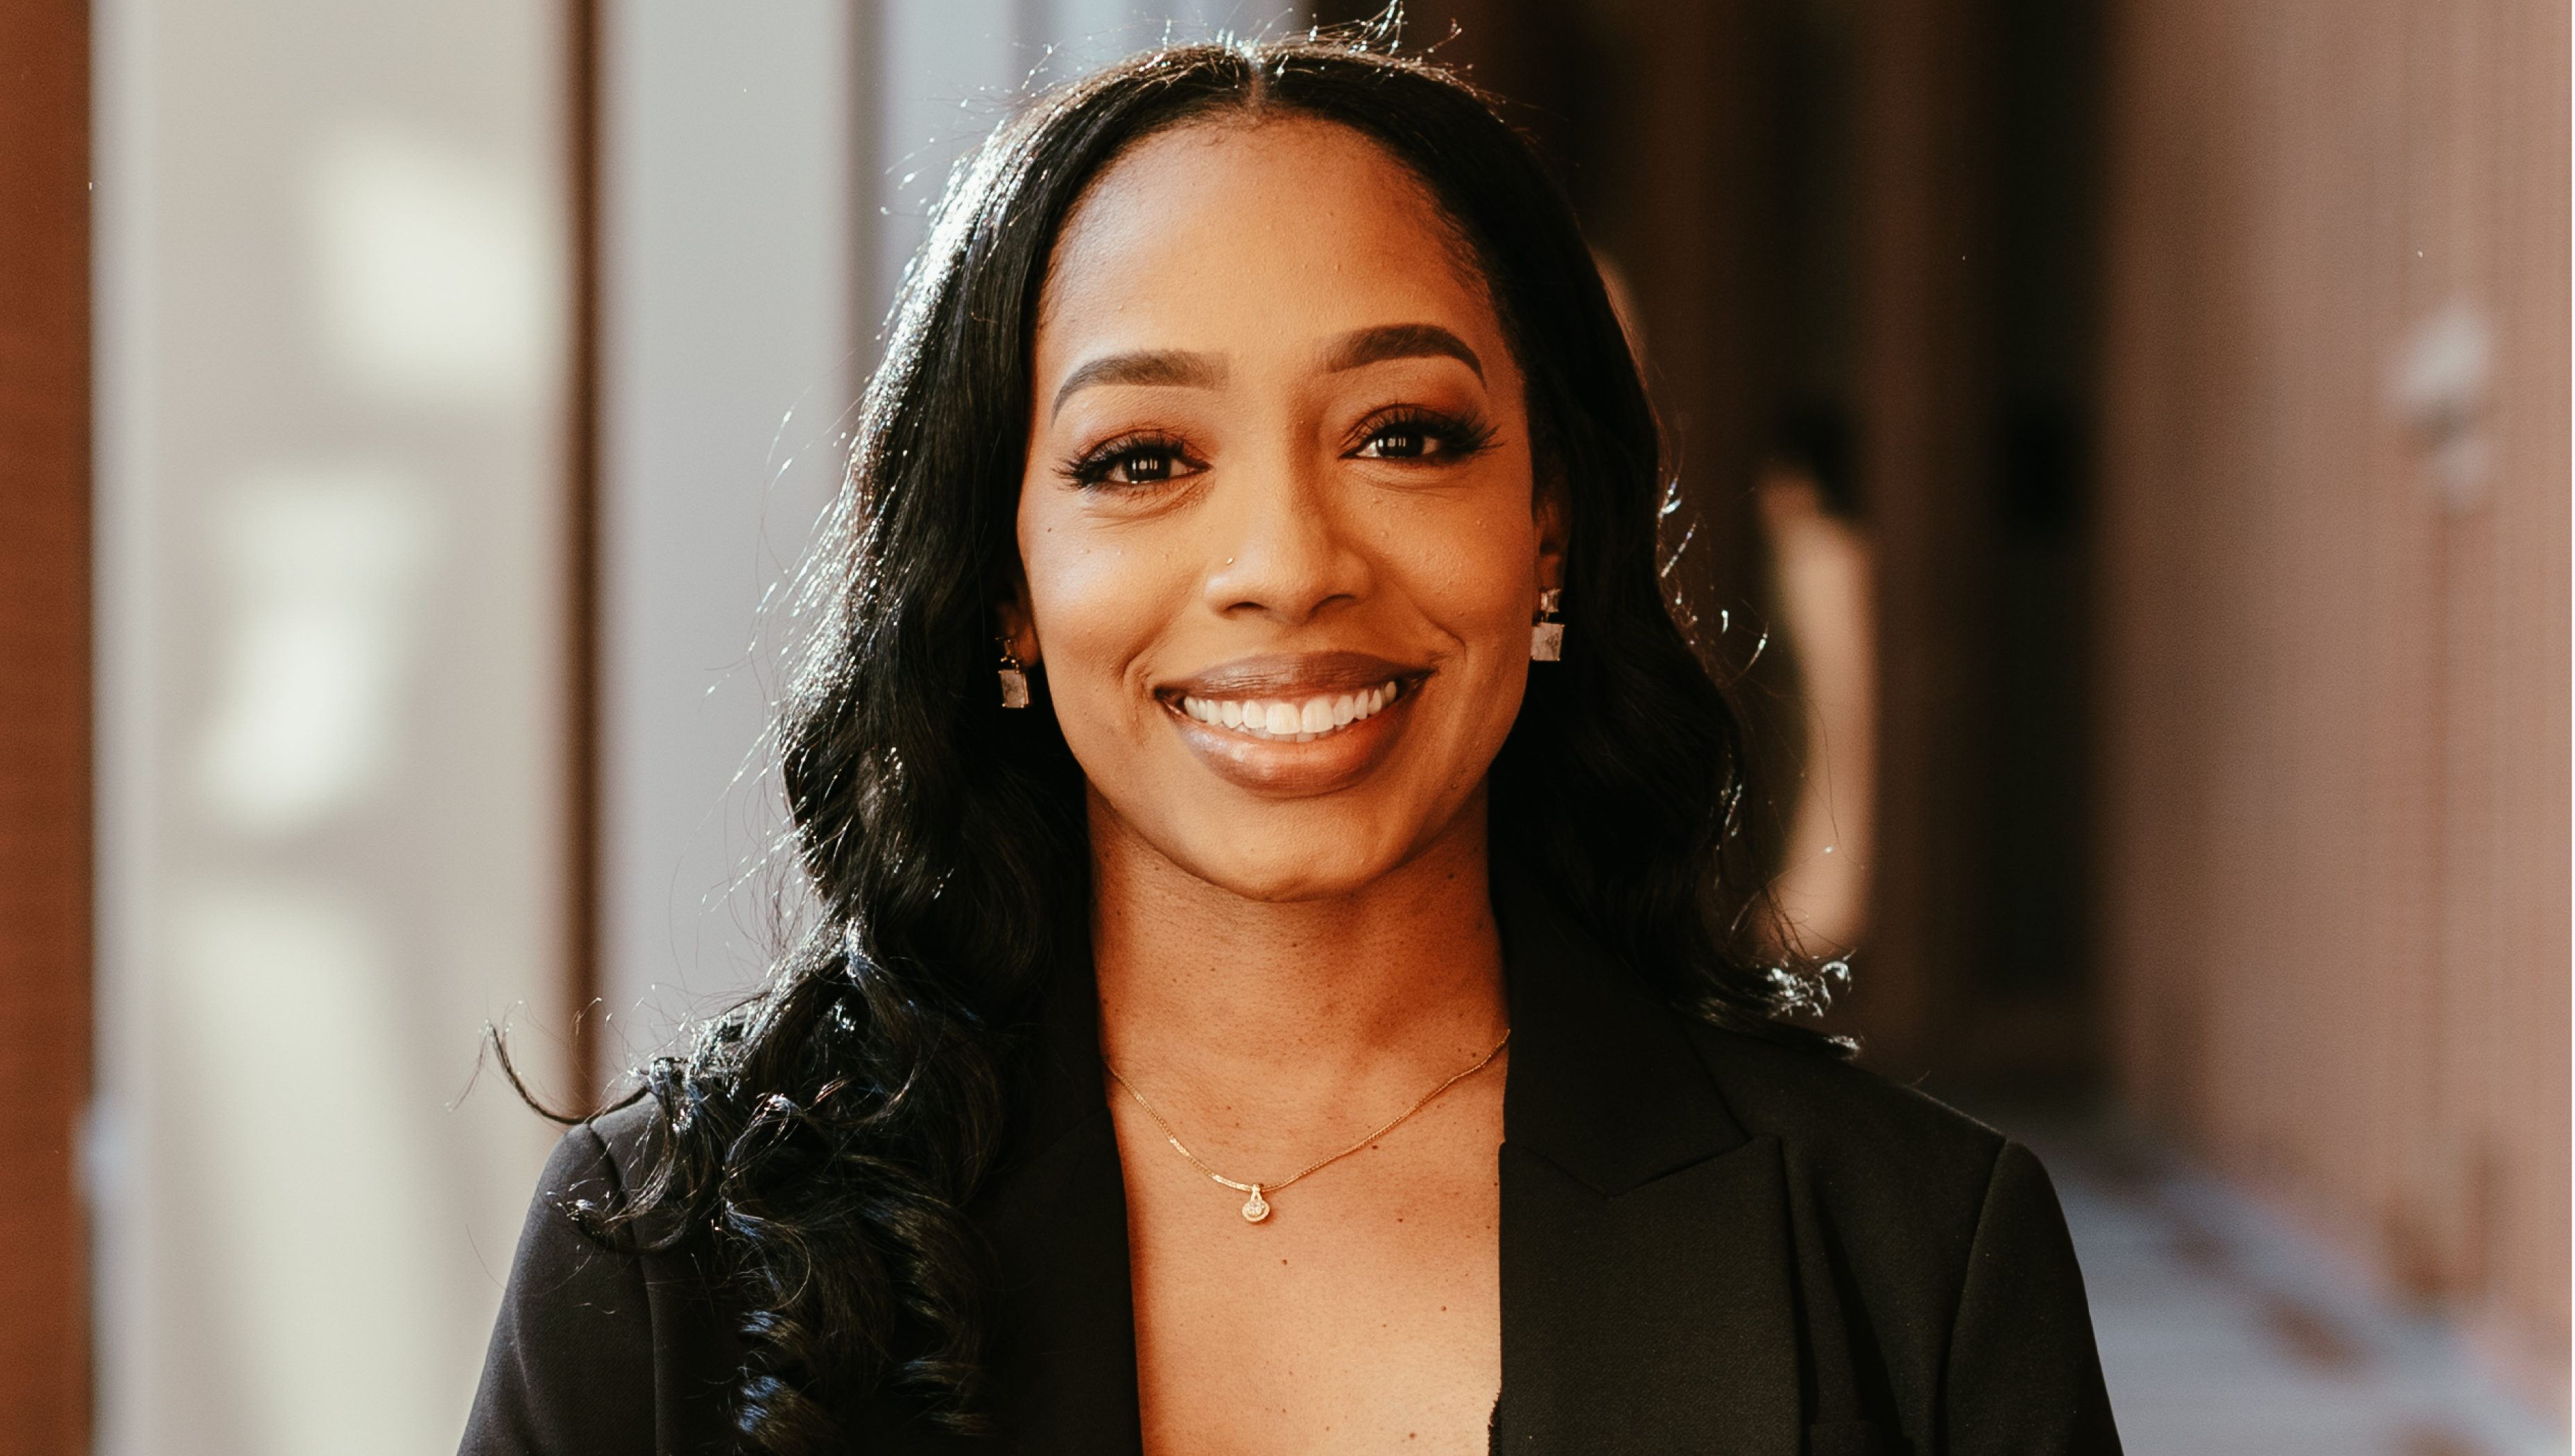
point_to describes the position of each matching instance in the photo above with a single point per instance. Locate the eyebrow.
(1399, 341)
(1182, 368)
(1145, 366)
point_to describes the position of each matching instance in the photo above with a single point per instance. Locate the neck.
(1209, 991)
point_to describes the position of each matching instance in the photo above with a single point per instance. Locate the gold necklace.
(1256, 1208)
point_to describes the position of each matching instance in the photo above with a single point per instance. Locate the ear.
(1553, 511)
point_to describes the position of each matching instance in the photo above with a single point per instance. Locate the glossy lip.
(1290, 770)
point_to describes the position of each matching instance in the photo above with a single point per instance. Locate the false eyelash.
(1091, 467)
(1465, 436)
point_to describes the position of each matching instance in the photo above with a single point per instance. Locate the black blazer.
(1709, 1244)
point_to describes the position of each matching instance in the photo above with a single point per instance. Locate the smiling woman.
(1257, 405)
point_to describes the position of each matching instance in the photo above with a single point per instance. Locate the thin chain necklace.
(1256, 1208)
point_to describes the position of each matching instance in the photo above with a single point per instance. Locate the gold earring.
(1546, 636)
(1015, 678)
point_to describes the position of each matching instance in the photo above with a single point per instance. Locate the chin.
(1301, 854)
(1288, 879)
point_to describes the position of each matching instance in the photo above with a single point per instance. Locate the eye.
(1401, 442)
(1133, 462)
(1418, 436)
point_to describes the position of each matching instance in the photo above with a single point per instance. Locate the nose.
(1281, 550)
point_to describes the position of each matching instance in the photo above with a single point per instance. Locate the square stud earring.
(1015, 678)
(1546, 635)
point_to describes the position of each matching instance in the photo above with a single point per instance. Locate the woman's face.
(1280, 538)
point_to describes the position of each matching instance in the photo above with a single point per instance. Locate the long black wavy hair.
(825, 1138)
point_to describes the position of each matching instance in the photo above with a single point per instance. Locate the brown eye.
(1406, 441)
(1425, 438)
(1144, 467)
(1132, 463)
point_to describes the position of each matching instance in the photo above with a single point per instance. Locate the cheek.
(1477, 575)
(1094, 599)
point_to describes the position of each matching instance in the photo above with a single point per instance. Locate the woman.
(1268, 1012)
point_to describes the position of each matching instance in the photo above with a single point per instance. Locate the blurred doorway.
(1862, 247)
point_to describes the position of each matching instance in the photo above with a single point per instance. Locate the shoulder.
(611, 1147)
(1844, 1121)
(588, 1327)
(586, 1175)
(592, 1167)
(1897, 1181)
(570, 1364)
(1936, 1243)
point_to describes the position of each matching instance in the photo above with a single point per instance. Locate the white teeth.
(1301, 722)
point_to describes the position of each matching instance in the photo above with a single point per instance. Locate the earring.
(1015, 678)
(1546, 636)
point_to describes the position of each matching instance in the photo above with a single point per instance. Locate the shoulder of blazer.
(1940, 1289)
(628, 1140)
(624, 1136)
(570, 1366)
(696, 1349)
(1851, 1126)
(1899, 1206)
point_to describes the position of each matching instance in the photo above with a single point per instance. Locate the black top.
(1709, 1244)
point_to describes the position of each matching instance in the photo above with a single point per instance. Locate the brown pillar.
(1660, 123)
(1925, 427)
(583, 1007)
(1678, 187)
(45, 723)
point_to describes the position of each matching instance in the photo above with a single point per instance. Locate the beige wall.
(331, 324)
(2334, 598)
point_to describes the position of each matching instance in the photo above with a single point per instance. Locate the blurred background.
(2122, 448)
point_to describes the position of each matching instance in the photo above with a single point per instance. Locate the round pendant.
(1255, 1208)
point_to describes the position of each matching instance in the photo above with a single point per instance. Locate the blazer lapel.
(1647, 1300)
(1063, 1358)
(1645, 1260)
(1062, 1318)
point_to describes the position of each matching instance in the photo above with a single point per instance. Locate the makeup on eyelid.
(1409, 431)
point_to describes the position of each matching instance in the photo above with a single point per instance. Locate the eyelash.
(1465, 436)
(1092, 467)
(1462, 436)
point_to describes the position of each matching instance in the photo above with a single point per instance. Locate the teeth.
(1301, 722)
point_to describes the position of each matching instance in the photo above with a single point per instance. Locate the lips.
(1296, 724)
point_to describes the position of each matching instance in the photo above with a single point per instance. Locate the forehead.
(1269, 224)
